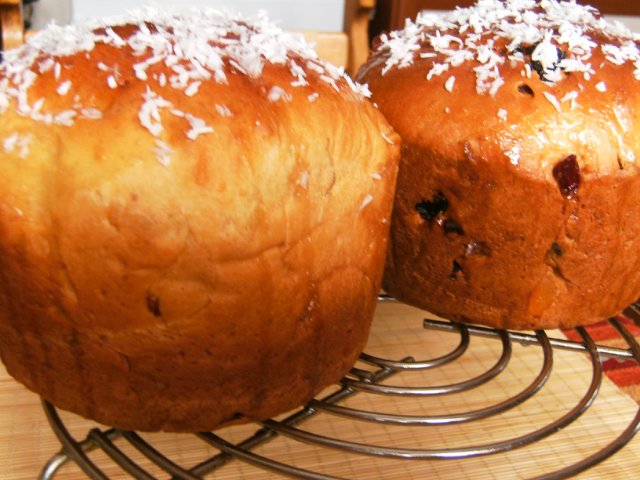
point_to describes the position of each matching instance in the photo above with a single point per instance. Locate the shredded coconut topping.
(367, 200)
(198, 127)
(223, 110)
(448, 85)
(386, 138)
(276, 94)
(64, 88)
(193, 46)
(163, 153)
(548, 37)
(17, 143)
(149, 113)
(553, 100)
(304, 179)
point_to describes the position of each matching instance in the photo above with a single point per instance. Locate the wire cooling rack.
(374, 379)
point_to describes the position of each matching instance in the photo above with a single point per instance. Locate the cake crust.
(193, 219)
(517, 202)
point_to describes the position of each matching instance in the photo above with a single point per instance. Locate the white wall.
(322, 15)
(632, 22)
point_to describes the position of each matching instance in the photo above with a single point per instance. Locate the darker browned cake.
(518, 201)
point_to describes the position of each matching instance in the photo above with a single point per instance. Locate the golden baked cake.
(518, 200)
(194, 212)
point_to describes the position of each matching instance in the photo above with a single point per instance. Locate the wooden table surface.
(26, 441)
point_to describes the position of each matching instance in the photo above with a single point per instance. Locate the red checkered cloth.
(624, 373)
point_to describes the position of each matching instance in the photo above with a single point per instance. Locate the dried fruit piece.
(429, 210)
(526, 89)
(567, 175)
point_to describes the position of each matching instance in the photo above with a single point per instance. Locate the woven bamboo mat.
(26, 441)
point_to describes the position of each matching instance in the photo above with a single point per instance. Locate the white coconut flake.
(149, 113)
(313, 97)
(386, 138)
(163, 152)
(448, 85)
(503, 114)
(276, 94)
(46, 65)
(367, 200)
(527, 70)
(65, 118)
(37, 106)
(570, 96)
(601, 87)
(304, 180)
(514, 155)
(91, 113)
(9, 143)
(17, 143)
(198, 127)
(223, 110)
(553, 100)
(437, 70)
(140, 72)
(112, 82)
(192, 89)
(376, 176)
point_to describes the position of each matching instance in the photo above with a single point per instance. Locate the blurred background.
(322, 15)
(341, 29)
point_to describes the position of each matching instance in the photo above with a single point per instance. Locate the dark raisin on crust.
(556, 249)
(525, 89)
(153, 305)
(429, 210)
(451, 226)
(567, 175)
(456, 270)
(537, 66)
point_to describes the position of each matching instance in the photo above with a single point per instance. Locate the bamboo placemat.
(26, 441)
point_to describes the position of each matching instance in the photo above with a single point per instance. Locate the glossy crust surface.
(182, 257)
(518, 201)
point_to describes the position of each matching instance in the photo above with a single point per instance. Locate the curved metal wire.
(458, 453)
(415, 420)
(485, 377)
(424, 364)
(157, 458)
(367, 382)
(623, 439)
(72, 449)
(127, 464)
(263, 462)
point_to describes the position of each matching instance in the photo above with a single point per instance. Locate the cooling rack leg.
(53, 465)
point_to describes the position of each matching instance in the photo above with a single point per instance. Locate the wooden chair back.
(335, 47)
(11, 24)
